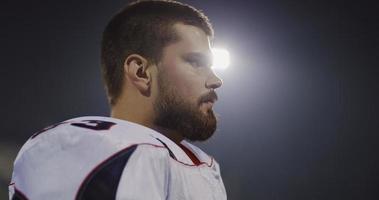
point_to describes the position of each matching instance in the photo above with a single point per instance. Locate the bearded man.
(156, 65)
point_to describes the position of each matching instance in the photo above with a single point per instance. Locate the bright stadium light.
(221, 58)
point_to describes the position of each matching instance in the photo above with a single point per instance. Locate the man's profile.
(156, 66)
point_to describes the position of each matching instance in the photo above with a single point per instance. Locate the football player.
(156, 65)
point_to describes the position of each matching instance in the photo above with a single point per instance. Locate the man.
(156, 63)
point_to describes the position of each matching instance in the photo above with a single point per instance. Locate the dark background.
(298, 108)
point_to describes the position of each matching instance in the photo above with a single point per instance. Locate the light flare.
(221, 58)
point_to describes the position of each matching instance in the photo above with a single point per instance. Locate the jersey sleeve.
(146, 175)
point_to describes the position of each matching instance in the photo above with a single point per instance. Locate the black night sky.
(298, 108)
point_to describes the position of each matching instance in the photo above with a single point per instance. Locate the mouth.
(208, 103)
(209, 99)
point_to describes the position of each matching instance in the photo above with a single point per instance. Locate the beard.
(174, 113)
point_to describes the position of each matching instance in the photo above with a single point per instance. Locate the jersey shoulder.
(91, 132)
(64, 154)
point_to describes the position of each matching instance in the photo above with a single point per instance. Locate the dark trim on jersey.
(18, 195)
(102, 182)
(190, 154)
(169, 151)
(194, 161)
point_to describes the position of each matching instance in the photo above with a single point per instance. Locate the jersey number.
(96, 125)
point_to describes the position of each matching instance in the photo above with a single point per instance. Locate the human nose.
(213, 81)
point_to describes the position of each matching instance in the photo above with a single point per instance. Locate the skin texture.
(175, 96)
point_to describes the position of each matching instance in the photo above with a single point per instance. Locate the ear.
(136, 71)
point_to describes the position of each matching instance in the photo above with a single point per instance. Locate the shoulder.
(88, 129)
(71, 151)
(97, 136)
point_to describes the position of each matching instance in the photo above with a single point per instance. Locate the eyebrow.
(204, 58)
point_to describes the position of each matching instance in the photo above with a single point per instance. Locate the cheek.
(190, 89)
(185, 79)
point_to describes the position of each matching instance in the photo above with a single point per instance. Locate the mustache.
(211, 96)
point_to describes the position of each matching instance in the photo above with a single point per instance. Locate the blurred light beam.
(221, 58)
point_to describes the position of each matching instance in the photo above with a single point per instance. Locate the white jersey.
(107, 158)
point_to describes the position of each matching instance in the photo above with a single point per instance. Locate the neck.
(134, 108)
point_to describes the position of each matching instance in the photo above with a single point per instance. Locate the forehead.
(191, 39)
(191, 35)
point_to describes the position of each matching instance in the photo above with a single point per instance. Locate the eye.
(195, 63)
(197, 60)
(198, 63)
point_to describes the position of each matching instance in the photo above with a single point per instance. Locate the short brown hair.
(145, 28)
